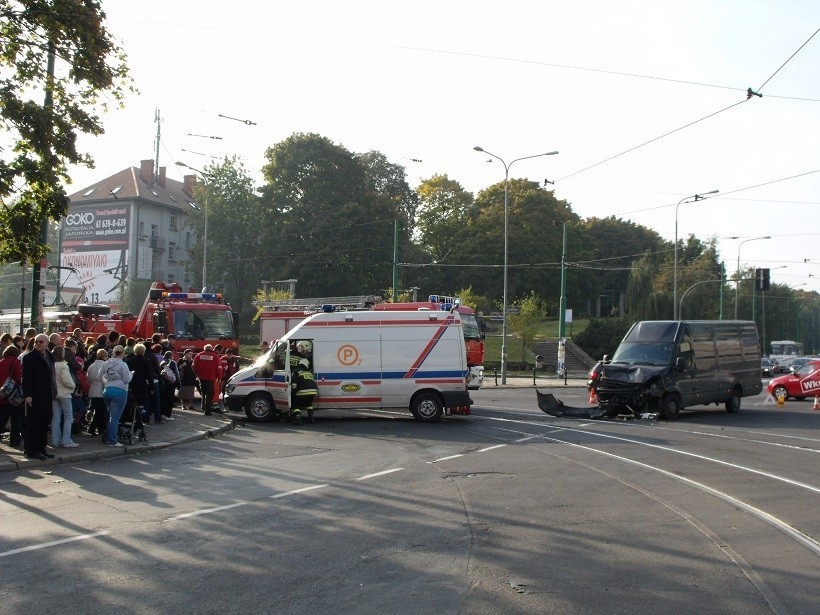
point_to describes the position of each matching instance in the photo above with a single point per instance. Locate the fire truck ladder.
(360, 302)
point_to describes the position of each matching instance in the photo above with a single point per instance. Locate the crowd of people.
(73, 385)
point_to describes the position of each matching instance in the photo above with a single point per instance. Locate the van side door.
(705, 373)
(685, 380)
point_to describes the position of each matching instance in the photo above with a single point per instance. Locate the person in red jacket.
(208, 368)
(10, 367)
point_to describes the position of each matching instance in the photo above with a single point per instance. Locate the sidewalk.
(541, 382)
(187, 426)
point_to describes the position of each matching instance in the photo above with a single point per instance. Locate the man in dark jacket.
(39, 390)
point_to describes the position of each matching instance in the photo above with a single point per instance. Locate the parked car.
(798, 362)
(803, 383)
(768, 368)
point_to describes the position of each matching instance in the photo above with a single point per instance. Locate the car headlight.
(230, 388)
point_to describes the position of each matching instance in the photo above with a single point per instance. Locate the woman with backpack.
(169, 372)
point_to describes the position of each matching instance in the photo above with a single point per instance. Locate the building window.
(142, 229)
(172, 251)
(173, 222)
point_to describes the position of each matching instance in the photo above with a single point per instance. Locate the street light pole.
(205, 233)
(506, 249)
(695, 198)
(737, 283)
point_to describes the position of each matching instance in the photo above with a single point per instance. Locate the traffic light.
(761, 279)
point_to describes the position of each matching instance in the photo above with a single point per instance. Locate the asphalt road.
(505, 511)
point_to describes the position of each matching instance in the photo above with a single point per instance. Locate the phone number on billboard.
(111, 223)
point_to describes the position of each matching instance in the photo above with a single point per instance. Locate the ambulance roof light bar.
(449, 302)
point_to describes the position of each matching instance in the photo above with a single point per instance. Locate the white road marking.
(206, 511)
(53, 543)
(532, 437)
(446, 458)
(382, 473)
(489, 448)
(668, 449)
(796, 534)
(285, 494)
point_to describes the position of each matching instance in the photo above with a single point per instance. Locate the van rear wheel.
(259, 407)
(670, 407)
(427, 407)
(733, 403)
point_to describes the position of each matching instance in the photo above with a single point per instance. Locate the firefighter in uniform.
(304, 391)
(299, 351)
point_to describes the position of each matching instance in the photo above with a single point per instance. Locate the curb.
(136, 449)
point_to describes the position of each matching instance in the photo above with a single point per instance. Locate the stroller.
(131, 423)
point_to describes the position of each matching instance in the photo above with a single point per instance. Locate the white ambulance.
(412, 360)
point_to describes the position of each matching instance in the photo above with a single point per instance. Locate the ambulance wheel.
(259, 407)
(427, 407)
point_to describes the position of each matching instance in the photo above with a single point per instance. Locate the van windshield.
(644, 353)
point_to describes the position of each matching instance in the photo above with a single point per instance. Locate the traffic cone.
(593, 396)
(816, 403)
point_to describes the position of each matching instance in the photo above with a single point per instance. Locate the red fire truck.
(195, 319)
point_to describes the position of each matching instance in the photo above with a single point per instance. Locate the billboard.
(95, 243)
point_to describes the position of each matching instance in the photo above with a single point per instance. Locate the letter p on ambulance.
(348, 355)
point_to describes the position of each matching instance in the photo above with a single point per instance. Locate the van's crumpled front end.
(631, 388)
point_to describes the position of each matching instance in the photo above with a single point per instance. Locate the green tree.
(471, 299)
(535, 236)
(235, 237)
(326, 223)
(524, 324)
(617, 244)
(602, 336)
(389, 180)
(260, 297)
(61, 51)
(444, 207)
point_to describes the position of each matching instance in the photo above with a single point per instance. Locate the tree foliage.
(329, 216)
(524, 324)
(61, 52)
(235, 238)
(602, 336)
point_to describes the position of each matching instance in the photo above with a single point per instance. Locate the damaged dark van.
(664, 366)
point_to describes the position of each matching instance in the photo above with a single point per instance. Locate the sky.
(646, 101)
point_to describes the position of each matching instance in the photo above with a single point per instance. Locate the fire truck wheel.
(427, 407)
(259, 407)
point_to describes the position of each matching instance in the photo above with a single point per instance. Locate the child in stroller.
(131, 422)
